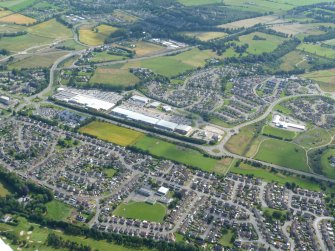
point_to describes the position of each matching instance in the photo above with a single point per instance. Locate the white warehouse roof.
(184, 128)
(92, 102)
(135, 115)
(140, 99)
(167, 124)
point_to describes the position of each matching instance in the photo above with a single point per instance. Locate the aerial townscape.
(167, 125)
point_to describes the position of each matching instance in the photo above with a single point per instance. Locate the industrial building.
(162, 191)
(5, 100)
(147, 120)
(91, 102)
(140, 99)
(281, 123)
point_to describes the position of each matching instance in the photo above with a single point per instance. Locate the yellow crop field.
(95, 36)
(50, 29)
(17, 19)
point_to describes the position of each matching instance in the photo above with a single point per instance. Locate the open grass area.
(58, 210)
(282, 109)
(199, 2)
(269, 175)
(96, 35)
(20, 43)
(72, 44)
(105, 57)
(175, 64)
(326, 168)
(51, 29)
(225, 240)
(35, 61)
(17, 19)
(206, 36)
(246, 23)
(277, 132)
(141, 211)
(313, 138)
(325, 78)
(317, 50)
(17, 5)
(36, 238)
(293, 60)
(114, 77)
(112, 133)
(143, 48)
(3, 190)
(187, 156)
(267, 44)
(283, 154)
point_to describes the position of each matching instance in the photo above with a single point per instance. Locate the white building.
(4, 246)
(183, 129)
(167, 108)
(140, 99)
(281, 123)
(91, 102)
(5, 100)
(162, 191)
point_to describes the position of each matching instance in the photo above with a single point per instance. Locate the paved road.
(318, 232)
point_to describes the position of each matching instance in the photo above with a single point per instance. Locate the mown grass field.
(114, 77)
(270, 43)
(38, 236)
(205, 36)
(276, 132)
(141, 211)
(17, 5)
(317, 50)
(58, 210)
(21, 43)
(313, 138)
(273, 176)
(283, 154)
(187, 156)
(112, 133)
(95, 36)
(325, 78)
(173, 65)
(35, 61)
(17, 19)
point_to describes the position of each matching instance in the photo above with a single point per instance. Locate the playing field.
(17, 19)
(205, 36)
(317, 50)
(325, 78)
(114, 77)
(173, 65)
(177, 153)
(95, 36)
(283, 154)
(141, 211)
(269, 43)
(112, 133)
(280, 133)
(58, 210)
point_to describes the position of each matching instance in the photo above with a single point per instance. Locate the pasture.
(325, 78)
(292, 60)
(187, 156)
(317, 50)
(58, 210)
(267, 44)
(141, 211)
(105, 57)
(95, 35)
(268, 175)
(112, 133)
(143, 48)
(17, 19)
(50, 29)
(326, 168)
(279, 133)
(23, 42)
(283, 154)
(246, 23)
(199, 2)
(17, 5)
(114, 77)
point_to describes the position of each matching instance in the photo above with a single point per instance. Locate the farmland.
(199, 2)
(246, 23)
(143, 48)
(283, 154)
(161, 148)
(17, 19)
(325, 78)
(206, 36)
(279, 133)
(114, 77)
(112, 133)
(17, 5)
(141, 211)
(23, 42)
(267, 44)
(50, 29)
(95, 35)
(317, 50)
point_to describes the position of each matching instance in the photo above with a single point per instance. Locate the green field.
(270, 43)
(112, 133)
(325, 78)
(327, 169)
(317, 50)
(57, 210)
(280, 178)
(72, 44)
(17, 5)
(173, 65)
(3, 190)
(293, 60)
(313, 138)
(105, 57)
(187, 156)
(225, 240)
(199, 2)
(141, 211)
(276, 132)
(38, 236)
(283, 154)
(114, 77)
(50, 29)
(21, 43)
(96, 35)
